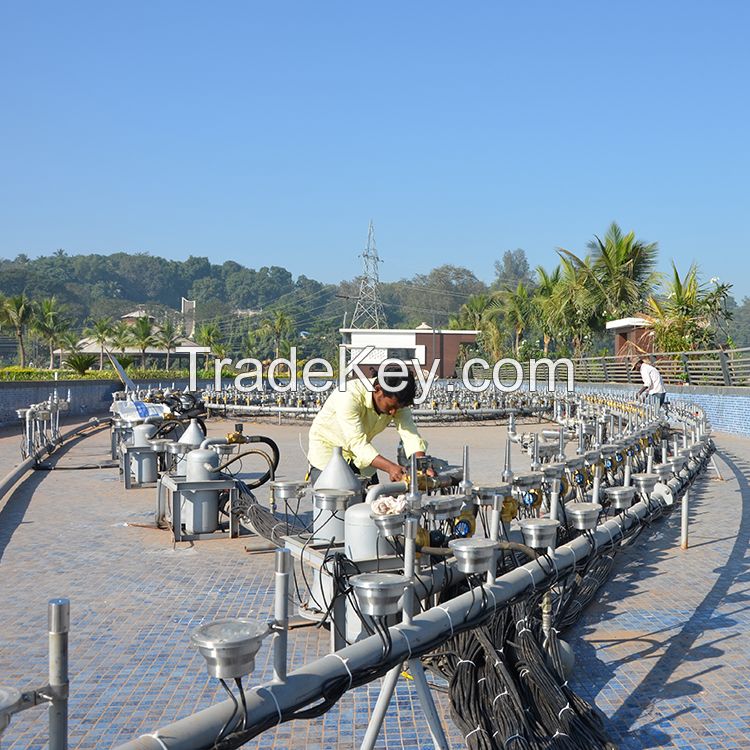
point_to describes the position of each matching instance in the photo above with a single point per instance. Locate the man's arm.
(407, 430)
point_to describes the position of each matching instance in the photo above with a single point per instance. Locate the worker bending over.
(352, 418)
(653, 384)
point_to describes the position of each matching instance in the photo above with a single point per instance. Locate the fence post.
(604, 368)
(685, 367)
(725, 371)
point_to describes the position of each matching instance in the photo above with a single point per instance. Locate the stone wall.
(87, 397)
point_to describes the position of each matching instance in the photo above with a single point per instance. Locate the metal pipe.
(381, 708)
(597, 482)
(428, 705)
(684, 519)
(561, 445)
(213, 441)
(58, 618)
(508, 471)
(497, 506)
(281, 613)
(10, 479)
(465, 485)
(410, 556)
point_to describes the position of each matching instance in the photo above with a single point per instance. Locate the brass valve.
(509, 509)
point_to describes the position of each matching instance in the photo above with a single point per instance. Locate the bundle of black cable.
(568, 721)
(580, 589)
(506, 693)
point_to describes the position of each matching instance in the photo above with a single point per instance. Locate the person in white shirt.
(653, 385)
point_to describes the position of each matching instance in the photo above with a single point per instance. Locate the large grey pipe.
(10, 479)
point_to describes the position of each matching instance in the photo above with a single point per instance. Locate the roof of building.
(420, 329)
(627, 323)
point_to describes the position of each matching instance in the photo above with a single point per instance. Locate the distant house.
(423, 343)
(632, 336)
(88, 346)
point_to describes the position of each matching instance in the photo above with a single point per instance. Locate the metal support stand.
(58, 617)
(685, 519)
(281, 613)
(716, 468)
(415, 666)
(597, 483)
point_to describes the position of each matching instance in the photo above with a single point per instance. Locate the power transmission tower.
(369, 310)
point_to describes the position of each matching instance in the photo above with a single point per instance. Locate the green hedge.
(17, 374)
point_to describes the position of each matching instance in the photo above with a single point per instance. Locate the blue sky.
(272, 132)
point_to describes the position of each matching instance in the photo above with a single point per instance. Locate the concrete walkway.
(663, 652)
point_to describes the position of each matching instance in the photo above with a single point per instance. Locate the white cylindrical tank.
(200, 508)
(143, 465)
(362, 539)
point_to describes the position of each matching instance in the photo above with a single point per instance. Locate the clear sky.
(270, 133)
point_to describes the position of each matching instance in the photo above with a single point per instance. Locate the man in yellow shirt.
(352, 418)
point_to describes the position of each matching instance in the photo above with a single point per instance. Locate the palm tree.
(622, 271)
(572, 310)
(516, 306)
(208, 334)
(278, 328)
(17, 312)
(480, 313)
(50, 324)
(684, 318)
(168, 336)
(100, 332)
(70, 342)
(121, 337)
(543, 303)
(142, 332)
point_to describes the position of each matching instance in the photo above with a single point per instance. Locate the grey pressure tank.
(200, 508)
(143, 465)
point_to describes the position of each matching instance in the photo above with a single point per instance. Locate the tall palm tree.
(100, 331)
(208, 334)
(543, 303)
(516, 306)
(622, 271)
(142, 332)
(168, 336)
(50, 324)
(278, 328)
(121, 337)
(573, 312)
(17, 312)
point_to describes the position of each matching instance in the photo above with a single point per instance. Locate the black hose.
(255, 483)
